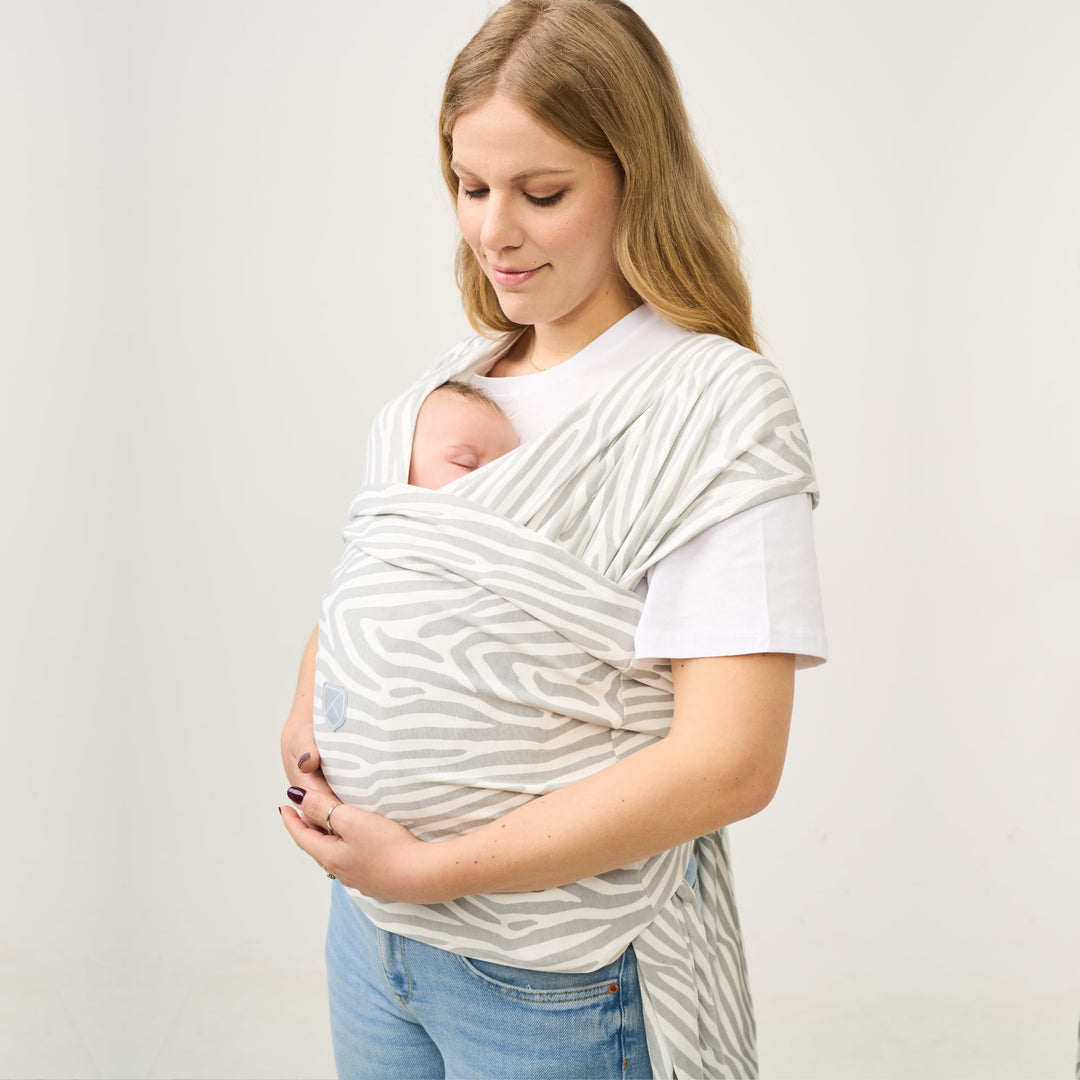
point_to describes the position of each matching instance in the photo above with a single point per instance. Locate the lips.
(509, 278)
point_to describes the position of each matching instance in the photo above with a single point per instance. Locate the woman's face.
(539, 214)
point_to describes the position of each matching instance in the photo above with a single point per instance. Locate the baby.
(458, 429)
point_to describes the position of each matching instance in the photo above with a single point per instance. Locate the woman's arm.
(299, 754)
(720, 762)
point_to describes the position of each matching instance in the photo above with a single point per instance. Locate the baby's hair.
(470, 393)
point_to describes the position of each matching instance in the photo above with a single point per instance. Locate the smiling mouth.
(509, 278)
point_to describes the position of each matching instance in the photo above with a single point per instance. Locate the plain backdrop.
(224, 242)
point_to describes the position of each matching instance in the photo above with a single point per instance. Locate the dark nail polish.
(301, 759)
(296, 794)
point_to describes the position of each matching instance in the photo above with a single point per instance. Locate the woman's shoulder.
(717, 344)
(732, 394)
(715, 365)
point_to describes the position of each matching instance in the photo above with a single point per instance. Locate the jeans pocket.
(526, 984)
(549, 1025)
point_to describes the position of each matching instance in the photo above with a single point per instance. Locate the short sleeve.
(748, 584)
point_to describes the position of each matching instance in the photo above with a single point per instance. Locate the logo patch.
(334, 701)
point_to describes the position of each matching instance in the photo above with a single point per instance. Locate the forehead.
(444, 408)
(500, 130)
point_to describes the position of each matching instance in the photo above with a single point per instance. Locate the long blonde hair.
(592, 72)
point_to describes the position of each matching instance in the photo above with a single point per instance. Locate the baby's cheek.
(430, 474)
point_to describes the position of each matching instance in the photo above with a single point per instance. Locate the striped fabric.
(481, 640)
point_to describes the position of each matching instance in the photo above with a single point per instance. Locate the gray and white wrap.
(476, 650)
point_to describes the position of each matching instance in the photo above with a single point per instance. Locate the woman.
(482, 672)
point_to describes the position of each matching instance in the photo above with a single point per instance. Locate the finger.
(317, 803)
(302, 746)
(323, 849)
(300, 756)
(314, 782)
(307, 781)
(309, 761)
(298, 747)
(313, 785)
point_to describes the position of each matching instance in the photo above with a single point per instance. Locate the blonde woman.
(537, 695)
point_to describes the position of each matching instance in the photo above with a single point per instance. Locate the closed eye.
(548, 200)
(536, 200)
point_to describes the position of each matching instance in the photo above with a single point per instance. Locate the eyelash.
(549, 200)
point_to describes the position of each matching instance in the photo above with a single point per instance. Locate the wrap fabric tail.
(476, 649)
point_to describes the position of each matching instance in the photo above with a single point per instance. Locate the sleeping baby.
(458, 429)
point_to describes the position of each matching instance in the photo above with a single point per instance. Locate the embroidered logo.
(334, 701)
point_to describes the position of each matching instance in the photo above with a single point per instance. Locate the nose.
(500, 228)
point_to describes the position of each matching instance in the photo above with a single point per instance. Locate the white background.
(224, 241)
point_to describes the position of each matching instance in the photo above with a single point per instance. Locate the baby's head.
(458, 429)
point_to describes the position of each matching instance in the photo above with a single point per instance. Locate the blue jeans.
(401, 1010)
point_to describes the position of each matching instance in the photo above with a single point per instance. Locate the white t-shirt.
(748, 584)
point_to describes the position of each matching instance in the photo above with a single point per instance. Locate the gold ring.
(329, 827)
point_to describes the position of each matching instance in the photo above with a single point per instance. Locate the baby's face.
(455, 435)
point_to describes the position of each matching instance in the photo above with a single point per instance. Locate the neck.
(554, 343)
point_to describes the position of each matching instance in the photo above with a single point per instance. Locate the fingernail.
(301, 759)
(296, 794)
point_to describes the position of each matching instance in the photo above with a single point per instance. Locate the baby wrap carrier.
(476, 649)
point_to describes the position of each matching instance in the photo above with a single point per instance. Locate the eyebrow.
(527, 174)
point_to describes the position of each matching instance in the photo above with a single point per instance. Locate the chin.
(524, 314)
(512, 305)
(519, 307)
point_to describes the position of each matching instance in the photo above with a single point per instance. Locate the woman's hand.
(299, 754)
(368, 852)
(720, 762)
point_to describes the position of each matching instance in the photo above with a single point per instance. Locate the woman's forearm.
(720, 763)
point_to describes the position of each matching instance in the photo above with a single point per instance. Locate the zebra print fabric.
(476, 651)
